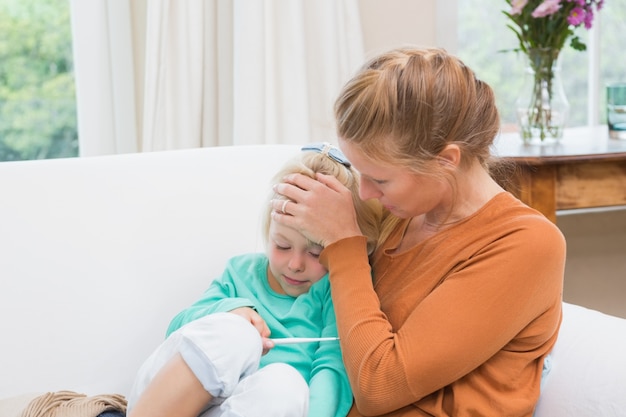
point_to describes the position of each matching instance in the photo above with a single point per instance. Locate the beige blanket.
(61, 404)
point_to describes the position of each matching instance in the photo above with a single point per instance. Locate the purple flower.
(588, 18)
(547, 8)
(576, 16)
(517, 6)
(551, 23)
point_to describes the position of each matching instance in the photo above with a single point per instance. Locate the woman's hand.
(322, 209)
(257, 321)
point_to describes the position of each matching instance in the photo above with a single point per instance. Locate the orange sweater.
(458, 325)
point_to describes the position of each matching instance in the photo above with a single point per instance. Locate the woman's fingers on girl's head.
(285, 189)
(330, 181)
(294, 186)
(300, 181)
(279, 206)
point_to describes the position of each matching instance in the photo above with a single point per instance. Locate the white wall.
(391, 23)
(595, 273)
(395, 23)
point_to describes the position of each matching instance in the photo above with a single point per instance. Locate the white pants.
(223, 351)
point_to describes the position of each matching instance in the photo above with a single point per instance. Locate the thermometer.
(292, 340)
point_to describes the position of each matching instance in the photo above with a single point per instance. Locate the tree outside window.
(37, 92)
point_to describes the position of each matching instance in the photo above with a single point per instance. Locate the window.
(37, 93)
(482, 35)
(612, 37)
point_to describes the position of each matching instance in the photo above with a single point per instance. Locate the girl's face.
(293, 261)
(404, 193)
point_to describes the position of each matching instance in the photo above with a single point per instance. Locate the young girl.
(218, 358)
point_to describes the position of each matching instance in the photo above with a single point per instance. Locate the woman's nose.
(367, 191)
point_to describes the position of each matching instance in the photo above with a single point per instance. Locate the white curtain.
(217, 72)
(290, 59)
(177, 53)
(103, 67)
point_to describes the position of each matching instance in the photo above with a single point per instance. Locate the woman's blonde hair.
(309, 163)
(406, 105)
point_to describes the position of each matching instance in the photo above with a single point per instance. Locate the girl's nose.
(296, 263)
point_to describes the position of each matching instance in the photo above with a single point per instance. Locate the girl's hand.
(257, 321)
(321, 209)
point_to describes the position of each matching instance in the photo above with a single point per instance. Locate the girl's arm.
(330, 393)
(222, 295)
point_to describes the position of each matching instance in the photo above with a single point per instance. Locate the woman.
(465, 301)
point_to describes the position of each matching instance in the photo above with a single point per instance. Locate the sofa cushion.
(588, 375)
(13, 406)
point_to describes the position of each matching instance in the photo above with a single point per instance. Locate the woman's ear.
(451, 155)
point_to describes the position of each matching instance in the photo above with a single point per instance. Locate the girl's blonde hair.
(309, 163)
(406, 105)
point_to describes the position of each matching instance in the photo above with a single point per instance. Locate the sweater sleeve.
(478, 308)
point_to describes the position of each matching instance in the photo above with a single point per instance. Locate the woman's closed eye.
(376, 181)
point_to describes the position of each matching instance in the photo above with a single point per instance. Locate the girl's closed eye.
(315, 250)
(281, 246)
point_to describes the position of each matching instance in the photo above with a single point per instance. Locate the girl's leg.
(198, 366)
(277, 390)
(174, 392)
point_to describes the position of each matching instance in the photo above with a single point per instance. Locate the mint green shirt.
(244, 283)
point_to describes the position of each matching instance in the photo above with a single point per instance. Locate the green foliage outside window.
(37, 92)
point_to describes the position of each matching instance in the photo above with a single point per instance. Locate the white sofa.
(97, 254)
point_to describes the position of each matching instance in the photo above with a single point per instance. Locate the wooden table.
(584, 169)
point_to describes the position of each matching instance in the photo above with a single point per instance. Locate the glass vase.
(542, 107)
